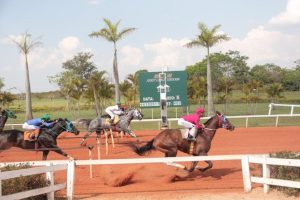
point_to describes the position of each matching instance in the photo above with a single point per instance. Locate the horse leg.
(45, 154)
(85, 137)
(59, 151)
(193, 166)
(171, 153)
(210, 165)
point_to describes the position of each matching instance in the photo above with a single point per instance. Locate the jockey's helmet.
(46, 117)
(200, 111)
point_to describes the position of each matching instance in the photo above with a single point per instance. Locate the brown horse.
(170, 141)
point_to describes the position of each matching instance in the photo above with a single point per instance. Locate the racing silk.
(193, 118)
(39, 122)
(114, 109)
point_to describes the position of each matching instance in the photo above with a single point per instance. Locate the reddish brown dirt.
(225, 176)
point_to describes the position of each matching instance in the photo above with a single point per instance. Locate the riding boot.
(191, 134)
(191, 138)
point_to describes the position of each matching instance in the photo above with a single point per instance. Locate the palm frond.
(124, 32)
(193, 43)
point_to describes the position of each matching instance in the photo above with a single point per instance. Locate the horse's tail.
(143, 149)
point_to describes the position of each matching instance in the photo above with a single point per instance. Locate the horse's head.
(224, 122)
(66, 125)
(219, 121)
(8, 114)
(136, 113)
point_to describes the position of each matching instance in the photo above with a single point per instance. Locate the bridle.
(68, 127)
(221, 123)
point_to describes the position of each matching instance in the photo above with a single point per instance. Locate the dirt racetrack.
(151, 179)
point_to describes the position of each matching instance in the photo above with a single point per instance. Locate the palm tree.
(111, 34)
(208, 38)
(25, 45)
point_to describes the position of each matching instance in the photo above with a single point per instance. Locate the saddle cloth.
(116, 120)
(29, 135)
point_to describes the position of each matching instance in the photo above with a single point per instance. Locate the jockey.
(114, 110)
(36, 123)
(192, 123)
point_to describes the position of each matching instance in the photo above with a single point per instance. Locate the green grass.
(57, 108)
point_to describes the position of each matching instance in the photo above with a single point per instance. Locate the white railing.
(48, 169)
(271, 105)
(245, 160)
(265, 179)
(246, 117)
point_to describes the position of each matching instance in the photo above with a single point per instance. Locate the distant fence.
(272, 105)
(245, 161)
(246, 117)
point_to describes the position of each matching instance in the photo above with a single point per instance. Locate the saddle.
(108, 122)
(31, 135)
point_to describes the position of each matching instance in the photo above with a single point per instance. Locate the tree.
(94, 84)
(25, 45)
(111, 34)
(208, 38)
(73, 82)
(5, 97)
(274, 91)
(135, 84)
(125, 90)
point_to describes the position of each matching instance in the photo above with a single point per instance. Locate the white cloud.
(171, 53)
(68, 44)
(266, 46)
(291, 16)
(131, 56)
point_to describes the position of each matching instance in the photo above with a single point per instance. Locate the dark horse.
(99, 124)
(46, 140)
(170, 141)
(4, 115)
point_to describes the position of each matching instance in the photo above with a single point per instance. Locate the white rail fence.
(49, 169)
(245, 161)
(292, 106)
(246, 117)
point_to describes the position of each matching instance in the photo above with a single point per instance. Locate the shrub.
(286, 172)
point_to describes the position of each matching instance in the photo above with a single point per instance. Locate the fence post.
(50, 178)
(70, 179)
(266, 174)
(247, 122)
(277, 118)
(292, 110)
(246, 174)
(270, 108)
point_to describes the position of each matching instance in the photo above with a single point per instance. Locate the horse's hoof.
(83, 143)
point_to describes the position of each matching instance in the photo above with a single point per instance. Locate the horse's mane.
(205, 123)
(217, 113)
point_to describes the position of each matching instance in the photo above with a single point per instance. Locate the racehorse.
(170, 141)
(4, 115)
(46, 140)
(100, 123)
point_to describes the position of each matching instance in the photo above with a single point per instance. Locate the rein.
(219, 124)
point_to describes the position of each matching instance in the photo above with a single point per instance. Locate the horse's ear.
(218, 113)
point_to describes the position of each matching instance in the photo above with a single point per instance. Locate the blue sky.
(266, 31)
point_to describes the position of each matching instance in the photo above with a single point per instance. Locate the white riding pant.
(111, 114)
(29, 127)
(191, 129)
